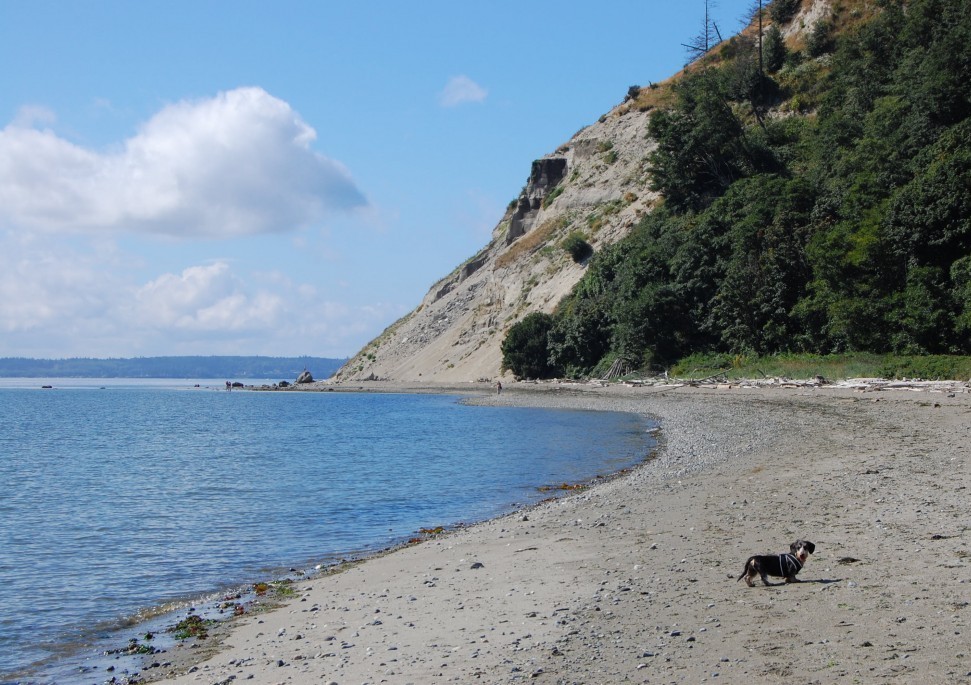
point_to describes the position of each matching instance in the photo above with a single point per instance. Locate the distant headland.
(256, 367)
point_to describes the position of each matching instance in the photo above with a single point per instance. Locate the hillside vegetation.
(816, 200)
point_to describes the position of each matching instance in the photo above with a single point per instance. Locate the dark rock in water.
(305, 377)
(284, 384)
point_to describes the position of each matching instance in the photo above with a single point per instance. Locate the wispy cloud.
(239, 163)
(461, 90)
(33, 115)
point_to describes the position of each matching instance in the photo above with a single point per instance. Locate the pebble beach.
(634, 580)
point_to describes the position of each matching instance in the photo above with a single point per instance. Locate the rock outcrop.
(545, 175)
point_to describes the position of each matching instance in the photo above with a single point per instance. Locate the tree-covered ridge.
(264, 368)
(818, 203)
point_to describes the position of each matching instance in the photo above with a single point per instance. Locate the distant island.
(267, 368)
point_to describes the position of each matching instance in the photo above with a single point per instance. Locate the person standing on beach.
(498, 387)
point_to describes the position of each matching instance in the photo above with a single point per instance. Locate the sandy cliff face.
(597, 183)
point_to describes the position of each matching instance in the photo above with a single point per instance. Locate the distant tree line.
(840, 223)
(270, 368)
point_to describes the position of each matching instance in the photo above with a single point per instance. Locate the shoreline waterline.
(528, 395)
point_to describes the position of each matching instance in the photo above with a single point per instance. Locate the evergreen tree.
(774, 50)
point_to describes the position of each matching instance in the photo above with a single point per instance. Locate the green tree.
(929, 219)
(581, 335)
(702, 145)
(774, 50)
(961, 293)
(525, 349)
(847, 230)
(819, 41)
(782, 11)
(927, 315)
(766, 271)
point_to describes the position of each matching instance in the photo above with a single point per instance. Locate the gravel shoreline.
(634, 579)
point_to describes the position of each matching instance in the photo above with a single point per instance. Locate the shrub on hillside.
(525, 351)
(932, 367)
(577, 247)
(820, 39)
(553, 194)
(783, 11)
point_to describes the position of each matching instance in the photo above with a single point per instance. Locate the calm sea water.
(119, 497)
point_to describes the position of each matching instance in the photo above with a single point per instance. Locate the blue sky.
(282, 178)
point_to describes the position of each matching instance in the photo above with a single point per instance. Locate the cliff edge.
(596, 186)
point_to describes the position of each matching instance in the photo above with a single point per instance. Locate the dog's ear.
(794, 546)
(811, 547)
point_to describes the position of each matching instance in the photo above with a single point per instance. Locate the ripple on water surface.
(116, 500)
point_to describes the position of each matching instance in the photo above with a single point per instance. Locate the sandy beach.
(634, 580)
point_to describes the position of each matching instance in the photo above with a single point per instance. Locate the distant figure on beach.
(498, 387)
(229, 386)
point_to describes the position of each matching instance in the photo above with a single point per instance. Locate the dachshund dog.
(778, 565)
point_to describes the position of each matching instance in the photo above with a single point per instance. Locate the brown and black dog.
(778, 565)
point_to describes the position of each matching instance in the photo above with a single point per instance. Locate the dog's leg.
(748, 572)
(754, 567)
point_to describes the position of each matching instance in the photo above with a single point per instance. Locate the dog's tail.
(744, 569)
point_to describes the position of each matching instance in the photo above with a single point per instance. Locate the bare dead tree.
(755, 13)
(707, 38)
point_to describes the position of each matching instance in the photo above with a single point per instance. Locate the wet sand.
(634, 579)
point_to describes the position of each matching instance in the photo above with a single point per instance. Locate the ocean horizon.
(124, 501)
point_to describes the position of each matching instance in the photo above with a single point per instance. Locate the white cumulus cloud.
(460, 90)
(239, 163)
(77, 296)
(206, 298)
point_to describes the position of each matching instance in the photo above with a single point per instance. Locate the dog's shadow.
(818, 581)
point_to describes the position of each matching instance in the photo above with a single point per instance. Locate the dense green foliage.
(831, 366)
(843, 228)
(524, 349)
(774, 49)
(782, 11)
(577, 247)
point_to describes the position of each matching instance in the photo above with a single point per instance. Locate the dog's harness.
(788, 562)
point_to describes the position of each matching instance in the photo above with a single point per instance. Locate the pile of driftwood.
(620, 368)
(721, 380)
